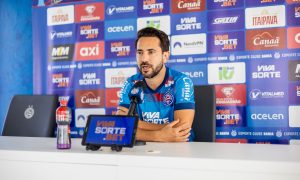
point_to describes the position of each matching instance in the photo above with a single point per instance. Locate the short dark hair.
(153, 32)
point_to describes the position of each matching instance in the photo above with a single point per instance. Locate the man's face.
(149, 55)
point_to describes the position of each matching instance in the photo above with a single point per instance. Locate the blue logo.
(226, 42)
(168, 98)
(153, 7)
(198, 73)
(220, 20)
(293, 14)
(263, 3)
(189, 23)
(224, 4)
(115, 9)
(90, 31)
(120, 29)
(62, 34)
(267, 116)
(120, 49)
(89, 79)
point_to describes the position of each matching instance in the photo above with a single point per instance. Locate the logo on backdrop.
(267, 116)
(158, 22)
(294, 93)
(294, 70)
(152, 7)
(220, 20)
(81, 115)
(188, 23)
(89, 79)
(226, 73)
(188, 44)
(92, 98)
(265, 39)
(60, 80)
(89, 12)
(224, 4)
(120, 29)
(267, 95)
(292, 1)
(293, 34)
(120, 9)
(60, 15)
(112, 97)
(184, 6)
(224, 42)
(115, 77)
(90, 51)
(198, 74)
(293, 14)
(120, 49)
(61, 52)
(90, 31)
(231, 95)
(264, 2)
(265, 17)
(230, 116)
(61, 34)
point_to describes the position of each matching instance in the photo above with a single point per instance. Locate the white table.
(38, 158)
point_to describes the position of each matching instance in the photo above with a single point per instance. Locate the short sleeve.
(184, 94)
(124, 98)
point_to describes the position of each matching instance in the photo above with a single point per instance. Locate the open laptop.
(31, 116)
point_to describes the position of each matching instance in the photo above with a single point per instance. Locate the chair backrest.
(204, 125)
(31, 116)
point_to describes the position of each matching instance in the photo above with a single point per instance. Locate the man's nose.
(145, 57)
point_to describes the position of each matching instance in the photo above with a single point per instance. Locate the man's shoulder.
(135, 77)
(178, 76)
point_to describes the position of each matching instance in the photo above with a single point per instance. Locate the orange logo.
(293, 37)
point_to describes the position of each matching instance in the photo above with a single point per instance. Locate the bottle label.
(63, 137)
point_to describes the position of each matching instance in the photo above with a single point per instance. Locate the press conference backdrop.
(249, 49)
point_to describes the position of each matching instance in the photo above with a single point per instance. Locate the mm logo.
(61, 52)
(226, 73)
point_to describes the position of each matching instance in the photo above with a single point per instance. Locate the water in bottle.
(63, 120)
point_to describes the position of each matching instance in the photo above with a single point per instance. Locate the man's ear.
(166, 56)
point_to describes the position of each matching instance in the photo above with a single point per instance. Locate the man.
(167, 111)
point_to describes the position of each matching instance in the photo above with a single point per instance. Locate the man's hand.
(173, 133)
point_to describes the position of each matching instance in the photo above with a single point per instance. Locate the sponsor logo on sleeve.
(184, 6)
(112, 97)
(293, 14)
(120, 29)
(226, 73)
(158, 22)
(90, 51)
(293, 34)
(89, 98)
(231, 95)
(61, 52)
(60, 15)
(81, 115)
(265, 17)
(90, 31)
(119, 9)
(263, 2)
(120, 49)
(224, 42)
(265, 39)
(230, 116)
(294, 70)
(116, 77)
(89, 12)
(188, 44)
(267, 116)
(224, 4)
(294, 93)
(229, 19)
(153, 7)
(61, 34)
(188, 23)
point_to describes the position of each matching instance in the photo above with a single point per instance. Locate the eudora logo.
(90, 50)
(109, 129)
(265, 39)
(183, 6)
(265, 17)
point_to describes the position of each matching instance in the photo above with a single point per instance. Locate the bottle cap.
(63, 102)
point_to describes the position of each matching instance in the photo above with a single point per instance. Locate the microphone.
(136, 96)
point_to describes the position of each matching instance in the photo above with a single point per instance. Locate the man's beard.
(155, 71)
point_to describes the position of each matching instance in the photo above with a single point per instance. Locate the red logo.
(89, 98)
(90, 50)
(265, 39)
(231, 95)
(293, 37)
(182, 6)
(89, 12)
(292, 1)
(112, 97)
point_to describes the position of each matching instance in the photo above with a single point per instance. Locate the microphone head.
(137, 92)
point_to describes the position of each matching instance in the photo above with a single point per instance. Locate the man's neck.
(153, 83)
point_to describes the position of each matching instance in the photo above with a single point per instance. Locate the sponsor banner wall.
(248, 49)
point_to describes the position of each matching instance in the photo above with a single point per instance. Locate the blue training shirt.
(176, 92)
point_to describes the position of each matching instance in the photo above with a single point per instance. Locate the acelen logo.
(89, 98)
(265, 39)
(184, 6)
(60, 15)
(112, 97)
(90, 51)
(231, 95)
(89, 12)
(293, 34)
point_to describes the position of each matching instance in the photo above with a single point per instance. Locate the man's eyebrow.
(146, 50)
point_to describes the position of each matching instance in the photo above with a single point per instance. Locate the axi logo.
(90, 51)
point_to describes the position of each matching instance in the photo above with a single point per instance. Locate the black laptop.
(31, 116)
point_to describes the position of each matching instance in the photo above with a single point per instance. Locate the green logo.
(226, 73)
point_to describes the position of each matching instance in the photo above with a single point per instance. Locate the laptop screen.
(107, 130)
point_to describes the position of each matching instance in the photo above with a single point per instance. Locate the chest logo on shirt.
(168, 99)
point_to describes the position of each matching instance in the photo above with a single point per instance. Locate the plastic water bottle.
(63, 120)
